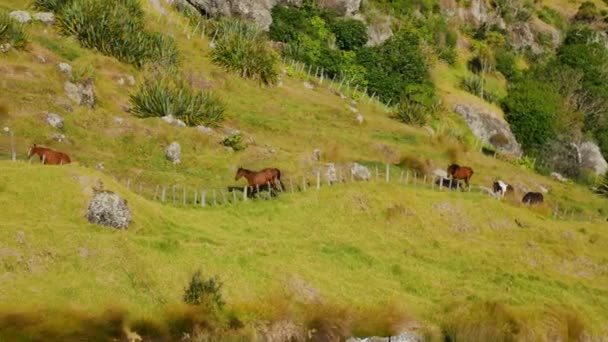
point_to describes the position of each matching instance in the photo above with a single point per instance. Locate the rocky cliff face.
(259, 11)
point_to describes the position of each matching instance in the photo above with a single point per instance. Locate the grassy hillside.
(356, 244)
(440, 257)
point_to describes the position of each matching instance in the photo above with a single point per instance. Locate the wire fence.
(315, 180)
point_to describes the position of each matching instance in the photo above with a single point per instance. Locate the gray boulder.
(360, 119)
(4, 48)
(109, 209)
(171, 120)
(360, 172)
(81, 93)
(54, 120)
(21, 16)
(404, 337)
(173, 153)
(65, 68)
(591, 158)
(45, 17)
(489, 128)
(522, 37)
(379, 32)
(204, 129)
(558, 177)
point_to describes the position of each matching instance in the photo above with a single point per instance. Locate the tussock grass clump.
(172, 96)
(416, 164)
(243, 48)
(204, 291)
(412, 113)
(601, 189)
(11, 31)
(115, 28)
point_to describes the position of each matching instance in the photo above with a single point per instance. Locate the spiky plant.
(11, 31)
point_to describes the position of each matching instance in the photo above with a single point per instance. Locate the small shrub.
(234, 141)
(602, 188)
(241, 47)
(351, 34)
(488, 321)
(412, 113)
(587, 12)
(168, 96)
(116, 29)
(51, 5)
(81, 73)
(499, 140)
(505, 64)
(204, 292)
(11, 31)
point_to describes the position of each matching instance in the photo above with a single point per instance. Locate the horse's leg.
(43, 159)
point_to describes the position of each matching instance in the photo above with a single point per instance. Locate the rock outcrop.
(591, 158)
(259, 11)
(489, 128)
(173, 153)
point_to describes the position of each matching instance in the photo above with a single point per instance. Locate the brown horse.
(48, 156)
(270, 176)
(460, 172)
(533, 198)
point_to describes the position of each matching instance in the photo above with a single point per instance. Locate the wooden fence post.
(291, 185)
(141, 188)
(451, 179)
(129, 183)
(203, 198)
(233, 197)
(407, 176)
(318, 180)
(339, 174)
(388, 173)
(195, 196)
(223, 196)
(174, 194)
(433, 183)
(401, 176)
(214, 198)
(269, 191)
(440, 183)
(377, 173)
(245, 189)
(155, 193)
(257, 191)
(424, 180)
(184, 195)
(163, 194)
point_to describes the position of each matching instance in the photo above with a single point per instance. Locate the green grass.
(356, 245)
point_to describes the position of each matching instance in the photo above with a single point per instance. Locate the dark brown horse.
(48, 156)
(533, 198)
(460, 172)
(270, 176)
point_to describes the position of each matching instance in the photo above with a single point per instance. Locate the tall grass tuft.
(243, 48)
(170, 96)
(602, 186)
(50, 5)
(115, 28)
(11, 31)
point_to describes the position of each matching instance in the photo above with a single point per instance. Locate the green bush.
(394, 66)
(532, 108)
(205, 292)
(234, 141)
(287, 22)
(116, 29)
(168, 96)
(505, 64)
(11, 31)
(351, 34)
(241, 47)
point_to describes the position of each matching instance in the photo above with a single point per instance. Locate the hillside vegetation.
(363, 258)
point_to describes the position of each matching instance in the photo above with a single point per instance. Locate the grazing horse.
(270, 176)
(533, 198)
(501, 188)
(460, 172)
(48, 156)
